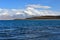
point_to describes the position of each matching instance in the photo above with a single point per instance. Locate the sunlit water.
(30, 29)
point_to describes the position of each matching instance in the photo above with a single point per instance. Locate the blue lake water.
(30, 29)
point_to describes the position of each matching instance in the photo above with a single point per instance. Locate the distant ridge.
(45, 17)
(41, 17)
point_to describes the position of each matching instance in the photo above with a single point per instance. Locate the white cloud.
(38, 6)
(31, 10)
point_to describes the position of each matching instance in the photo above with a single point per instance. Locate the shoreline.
(36, 19)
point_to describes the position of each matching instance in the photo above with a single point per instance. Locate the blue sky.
(20, 4)
(27, 8)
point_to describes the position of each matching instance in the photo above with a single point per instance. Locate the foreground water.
(30, 29)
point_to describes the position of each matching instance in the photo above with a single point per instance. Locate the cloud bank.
(29, 11)
(38, 6)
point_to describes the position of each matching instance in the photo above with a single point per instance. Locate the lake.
(30, 29)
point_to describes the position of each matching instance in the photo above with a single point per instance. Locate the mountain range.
(23, 14)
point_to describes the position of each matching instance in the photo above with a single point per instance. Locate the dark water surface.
(29, 29)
